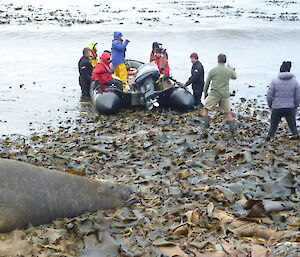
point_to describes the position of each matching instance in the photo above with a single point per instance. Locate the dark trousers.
(197, 92)
(289, 114)
(85, 88)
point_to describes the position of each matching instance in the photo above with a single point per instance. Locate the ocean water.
(38, 67)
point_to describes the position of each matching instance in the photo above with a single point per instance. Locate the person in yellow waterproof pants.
(118, 50)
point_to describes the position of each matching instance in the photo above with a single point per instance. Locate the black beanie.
(155, 45)
(285, 67)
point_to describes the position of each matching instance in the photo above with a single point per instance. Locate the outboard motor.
(145, 79)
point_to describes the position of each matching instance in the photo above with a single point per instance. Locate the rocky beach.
(218, 196)
(213, 196)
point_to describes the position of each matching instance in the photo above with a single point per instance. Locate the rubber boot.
(206, 120)
(231, 124)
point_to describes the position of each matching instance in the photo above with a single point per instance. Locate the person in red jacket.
(162, 63)
(103, 73)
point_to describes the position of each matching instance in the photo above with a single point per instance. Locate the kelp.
(219, 195)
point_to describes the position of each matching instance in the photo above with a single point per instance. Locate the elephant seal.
(36, 195)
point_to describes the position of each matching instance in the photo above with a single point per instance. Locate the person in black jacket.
(197, 79)
(85, 72)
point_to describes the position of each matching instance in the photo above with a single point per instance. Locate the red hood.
(106, 58)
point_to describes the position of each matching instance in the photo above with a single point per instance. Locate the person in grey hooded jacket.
(283, 99)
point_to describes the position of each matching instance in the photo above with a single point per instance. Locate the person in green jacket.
(218, 80)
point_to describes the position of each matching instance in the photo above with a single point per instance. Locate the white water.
(44, 56)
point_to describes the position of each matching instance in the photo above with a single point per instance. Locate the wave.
(205, 30)
(263, 33)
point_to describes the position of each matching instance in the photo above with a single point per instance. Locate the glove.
(127, 41)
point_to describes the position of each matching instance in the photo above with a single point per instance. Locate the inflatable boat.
(148, 89)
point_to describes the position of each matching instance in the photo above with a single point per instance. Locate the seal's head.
(119, 192)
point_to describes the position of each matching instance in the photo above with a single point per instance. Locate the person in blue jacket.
(118, 49)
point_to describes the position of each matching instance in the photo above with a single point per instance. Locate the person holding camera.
(164, 51)
(118, 50)
(162, 63)
(155, 46)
